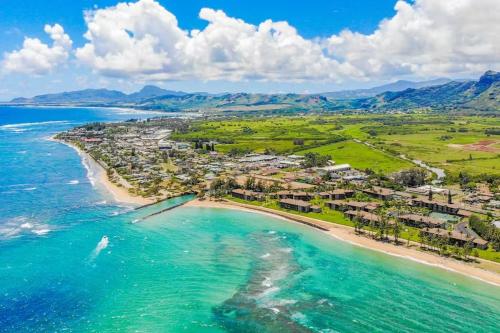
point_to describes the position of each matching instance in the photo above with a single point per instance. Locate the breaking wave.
(23, 225)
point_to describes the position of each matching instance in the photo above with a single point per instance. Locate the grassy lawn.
(361, 157)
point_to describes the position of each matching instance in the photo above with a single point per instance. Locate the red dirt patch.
(483, 145)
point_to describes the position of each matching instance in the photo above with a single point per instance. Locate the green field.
(361, 157)
(444, 141)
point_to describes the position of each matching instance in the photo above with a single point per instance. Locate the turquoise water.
(192, 269)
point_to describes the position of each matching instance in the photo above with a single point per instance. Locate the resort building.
(336, 204)
(295, 195)
(248, 195)
(436, 206)
(421, 221)
(365, 217)
(456, 237)
(343, 205)
(379, 193)
(299, 205)
(338, 194)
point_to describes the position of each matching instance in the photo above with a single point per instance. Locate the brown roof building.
(380, 192)
(299, 205)
(295, 195)
(247, 195)
(456, 237)
(364, 216)
(420, 221)
(436, 206)
(337, 194)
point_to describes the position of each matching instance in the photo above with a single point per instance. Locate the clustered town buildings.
(141, 156)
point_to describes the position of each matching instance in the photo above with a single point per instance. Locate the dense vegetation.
(486, 230)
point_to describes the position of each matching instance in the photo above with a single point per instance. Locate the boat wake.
(103, 243)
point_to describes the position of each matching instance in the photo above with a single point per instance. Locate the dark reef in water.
(258, 305)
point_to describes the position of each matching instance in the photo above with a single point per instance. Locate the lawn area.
(361, 157)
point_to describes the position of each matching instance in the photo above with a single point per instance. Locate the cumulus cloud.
(143, 41)
(426, 38)
(36, 57)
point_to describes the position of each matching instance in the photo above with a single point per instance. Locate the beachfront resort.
(143, 158)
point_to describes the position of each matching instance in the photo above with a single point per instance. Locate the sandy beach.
(483, 270)
(97, 176)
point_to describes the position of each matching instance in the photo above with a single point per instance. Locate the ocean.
(73, 260)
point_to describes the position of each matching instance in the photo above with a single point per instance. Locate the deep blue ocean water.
(191, 269)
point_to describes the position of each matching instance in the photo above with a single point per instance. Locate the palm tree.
(396, 229)
(358, 224)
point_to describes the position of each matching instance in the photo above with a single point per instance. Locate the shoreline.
(346, 234)
(98, 178)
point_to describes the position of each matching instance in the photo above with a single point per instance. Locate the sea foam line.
(40, 123)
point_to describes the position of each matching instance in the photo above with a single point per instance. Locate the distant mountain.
(480, 95)
(237, 102)
(74, 97)
(394, 86)
(97, 96)
(150, 92)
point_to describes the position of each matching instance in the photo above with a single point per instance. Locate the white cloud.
(143, 41)
(426, 38)
(133, 39)
(36, 57)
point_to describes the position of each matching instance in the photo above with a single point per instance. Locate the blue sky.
(296, 62)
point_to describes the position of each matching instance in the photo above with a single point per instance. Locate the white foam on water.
(40, 232)
(267, 282)
(268, 292)
(73, 182)
(22, 225)
(264, 256)
(299, 316)
(26, 225)
(40, 123)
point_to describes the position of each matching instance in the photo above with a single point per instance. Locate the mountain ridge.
(482, 95)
